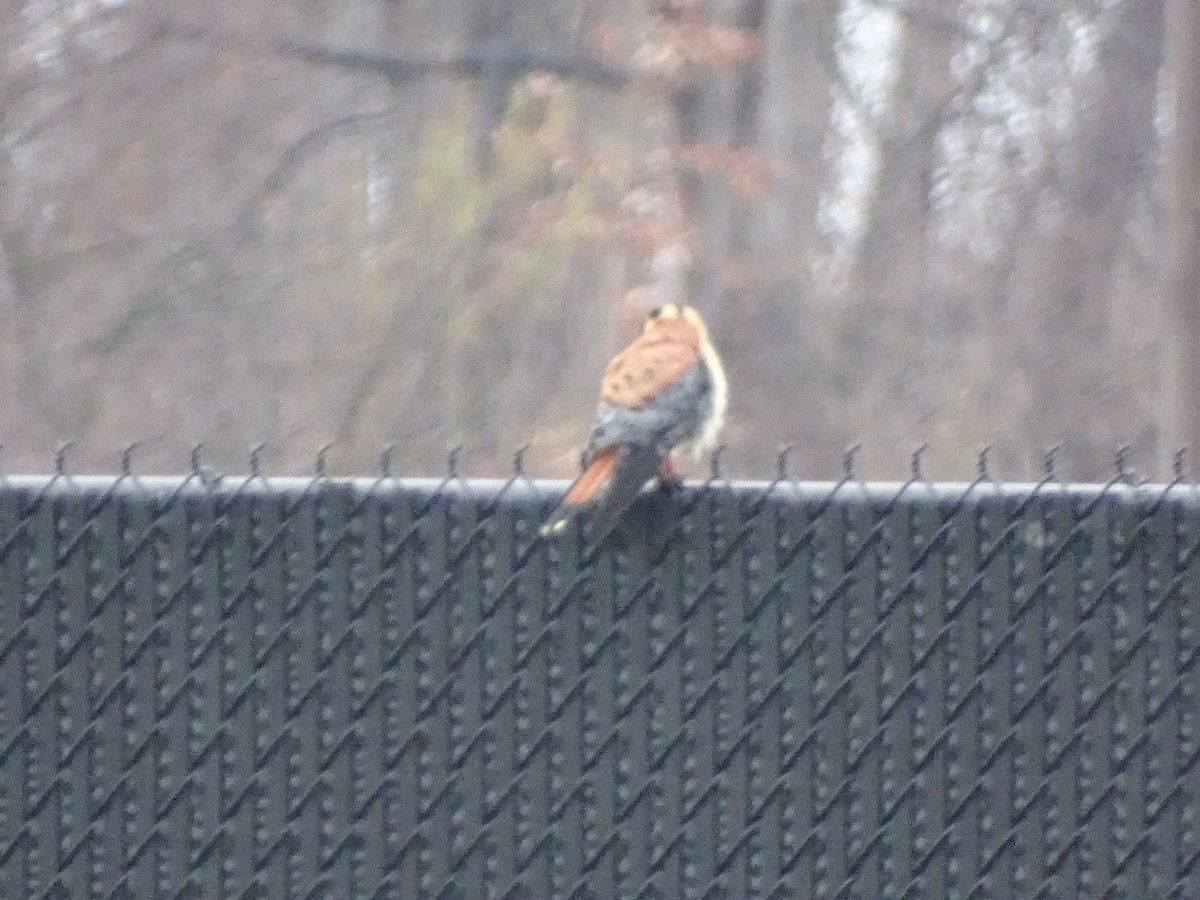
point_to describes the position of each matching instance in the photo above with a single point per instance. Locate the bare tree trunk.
(1112, 155)
(901, 318)
(1182, 332)
(760, 249)
(793, 116)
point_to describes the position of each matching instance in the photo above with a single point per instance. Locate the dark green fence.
(287, 689)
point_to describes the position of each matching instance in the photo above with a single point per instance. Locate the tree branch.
(511, 59)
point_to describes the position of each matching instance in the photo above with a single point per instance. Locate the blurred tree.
(907, 339)
(430, 223)
(1181, 333)
(1100, 176)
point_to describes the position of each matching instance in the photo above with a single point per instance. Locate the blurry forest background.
(431, 222)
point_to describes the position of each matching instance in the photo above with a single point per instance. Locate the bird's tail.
(607, 487)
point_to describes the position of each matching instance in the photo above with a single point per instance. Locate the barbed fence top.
(388, 687)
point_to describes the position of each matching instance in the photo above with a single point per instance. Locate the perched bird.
(663, 394)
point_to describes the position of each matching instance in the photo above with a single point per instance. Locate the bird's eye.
(655, 313)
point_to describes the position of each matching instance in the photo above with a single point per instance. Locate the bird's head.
(660, 314)
(674, 313)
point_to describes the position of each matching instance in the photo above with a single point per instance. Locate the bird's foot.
(669, 476)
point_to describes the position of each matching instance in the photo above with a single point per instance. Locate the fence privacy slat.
(291, 689)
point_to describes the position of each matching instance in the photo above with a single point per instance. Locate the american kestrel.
(664, 394)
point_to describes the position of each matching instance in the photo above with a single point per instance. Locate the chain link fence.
(284, 688)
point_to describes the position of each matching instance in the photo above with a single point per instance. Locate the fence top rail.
(522, 489)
